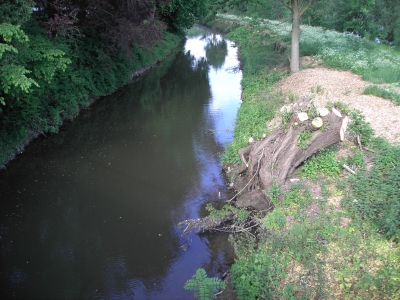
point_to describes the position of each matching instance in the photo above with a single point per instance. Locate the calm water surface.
(91, 212)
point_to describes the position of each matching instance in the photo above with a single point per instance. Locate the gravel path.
(346, 87)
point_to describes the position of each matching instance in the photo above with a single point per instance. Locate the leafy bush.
(204, 287)
(375, 196)
(256, 276)
(275, 220)
(360, 126)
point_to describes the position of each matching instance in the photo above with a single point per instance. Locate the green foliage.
(304, 139)
(359, 126)
(375, 196)
(12, 75)
(372, 18)
(275, 220)
(356, 160)
(204, 287)
(381, 92)
(274, 192)
(217, 214)
(256, 276)
(181, 14)
(16, 12)
(324, 163)
(316, 258)
(298, 196)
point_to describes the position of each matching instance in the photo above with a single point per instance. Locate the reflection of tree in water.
(216, 51)
(106, 235)
(158, 93)
(221, 253)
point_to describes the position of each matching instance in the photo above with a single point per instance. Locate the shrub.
(275, 220)
(375, 196)
(204, 287)
(359, 126)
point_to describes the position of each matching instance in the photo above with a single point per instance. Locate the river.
(91, 212)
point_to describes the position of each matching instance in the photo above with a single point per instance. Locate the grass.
(383, 93)
(325, 253)
(308, 248)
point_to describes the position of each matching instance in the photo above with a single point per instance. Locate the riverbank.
(16, 135)
(331, 233)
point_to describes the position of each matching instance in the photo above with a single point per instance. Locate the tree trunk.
(295, 51)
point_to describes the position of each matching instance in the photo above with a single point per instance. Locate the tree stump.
(305, 131)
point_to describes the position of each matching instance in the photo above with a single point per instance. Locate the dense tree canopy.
(55, 54)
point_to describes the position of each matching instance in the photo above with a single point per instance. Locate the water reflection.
(91, 212)
(216, 51)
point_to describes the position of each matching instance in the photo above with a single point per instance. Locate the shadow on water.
(90, 213)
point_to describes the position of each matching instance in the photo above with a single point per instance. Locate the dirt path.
(346, 87)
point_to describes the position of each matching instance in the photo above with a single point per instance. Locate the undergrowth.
(384, 93)
(309, 248)
(324, 163)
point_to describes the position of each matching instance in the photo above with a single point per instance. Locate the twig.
(359, 141)
(347, 168)
(370, 150)
(259, 160)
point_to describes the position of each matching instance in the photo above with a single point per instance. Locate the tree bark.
(295, 50)
(297, 8)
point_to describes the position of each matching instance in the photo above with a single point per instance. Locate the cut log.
(336, 112)
(251, 140)
(317, 123)
(302, 116)
(343, 128)
(323, 112)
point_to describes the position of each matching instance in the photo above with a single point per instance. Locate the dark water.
(90, 213)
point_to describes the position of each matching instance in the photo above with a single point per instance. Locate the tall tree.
(297, 8)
